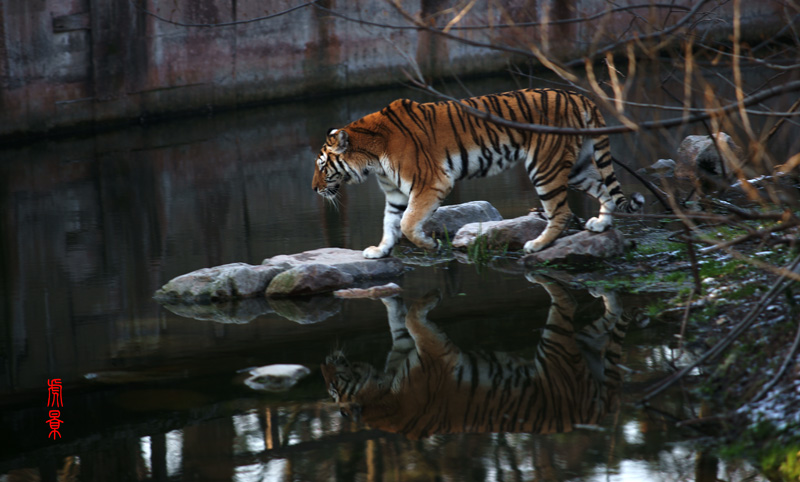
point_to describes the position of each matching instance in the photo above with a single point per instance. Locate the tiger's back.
(418, 151)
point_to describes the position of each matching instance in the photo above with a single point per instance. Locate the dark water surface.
(91, 227)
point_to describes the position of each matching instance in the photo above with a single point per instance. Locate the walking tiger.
(418, 151)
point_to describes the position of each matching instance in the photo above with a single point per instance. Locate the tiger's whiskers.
(334, 201)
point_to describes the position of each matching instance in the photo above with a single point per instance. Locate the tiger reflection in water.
(430, 386)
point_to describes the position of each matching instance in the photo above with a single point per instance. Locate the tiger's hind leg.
(585, 176)
(551, 186)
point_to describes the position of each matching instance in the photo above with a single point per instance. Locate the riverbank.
(735, 339)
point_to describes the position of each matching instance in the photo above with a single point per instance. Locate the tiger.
(430, 386)
(418, 151)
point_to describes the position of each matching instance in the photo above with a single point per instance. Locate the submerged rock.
(373, 292)
(511, 234)
(581, 247)
(275, 378)
(229, 311)
(447, 220)
(306, 310)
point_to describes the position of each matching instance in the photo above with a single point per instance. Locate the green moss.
(677, 276)
(714, 268)
(655, 310)
(658, 247)
(745, 291)
(776, 452)
(484, 248)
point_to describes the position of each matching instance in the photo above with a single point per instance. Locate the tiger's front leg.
(420, 208)
(396, 204)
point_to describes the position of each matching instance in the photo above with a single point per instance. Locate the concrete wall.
(73, 63)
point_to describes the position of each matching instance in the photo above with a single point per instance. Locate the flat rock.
(226, 282)
(511, 234)
(447, 220)
(333, 267)
(327, 269)
(581, 247)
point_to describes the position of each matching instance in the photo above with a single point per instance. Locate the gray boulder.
(328, 269)
(709, 157)
(226, 282)
(511, 234)
(447, 220)
(581, 247)
(308, 272)
(309, 279)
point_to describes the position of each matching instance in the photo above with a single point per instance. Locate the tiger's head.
(351, 384)
(336, 165)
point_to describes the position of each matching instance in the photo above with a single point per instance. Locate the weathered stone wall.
(82, 62)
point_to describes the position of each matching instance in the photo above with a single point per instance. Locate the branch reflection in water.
(431, 386)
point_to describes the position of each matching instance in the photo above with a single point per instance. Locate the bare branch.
(794, 268)
(223, 24)
(673, 122)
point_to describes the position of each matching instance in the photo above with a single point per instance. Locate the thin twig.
(223, 24)
(649, 185)
(762, 233)
(563, 21)
(693, 260)
(780, 122)
(784, 366)
(685, 320)
(646, 125)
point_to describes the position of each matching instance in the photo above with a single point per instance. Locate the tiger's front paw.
(598, 225)
(534, 246)
(375, 252)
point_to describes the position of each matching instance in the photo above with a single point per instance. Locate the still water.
(92, 226)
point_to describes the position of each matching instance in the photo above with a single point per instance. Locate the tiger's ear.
(342, 140)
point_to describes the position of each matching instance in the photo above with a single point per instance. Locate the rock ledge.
(309, 272)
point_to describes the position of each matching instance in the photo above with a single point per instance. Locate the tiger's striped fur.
(430, 386)
(418, 151)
